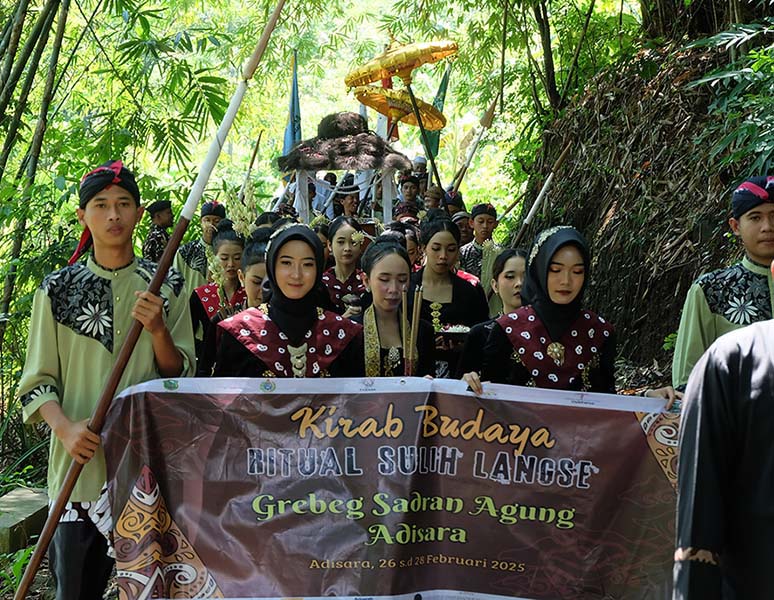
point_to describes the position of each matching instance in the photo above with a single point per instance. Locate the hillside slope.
(644, 191)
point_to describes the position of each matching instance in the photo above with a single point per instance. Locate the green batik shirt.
(191, 263)
(80, 317)
(719, 302)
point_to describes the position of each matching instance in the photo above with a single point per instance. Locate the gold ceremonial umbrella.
(396, 104)
(400, 61)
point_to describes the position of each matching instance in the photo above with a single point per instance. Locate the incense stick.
(415, 327)
(404, 329)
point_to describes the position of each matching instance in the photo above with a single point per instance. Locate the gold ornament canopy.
(396, 104)
(400, 61)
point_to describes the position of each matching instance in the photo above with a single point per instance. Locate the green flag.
(434, 137)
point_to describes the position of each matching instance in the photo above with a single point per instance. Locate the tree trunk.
(32, 164)
(21, 101)
(544, 27)
(15, 74)
(9, 52)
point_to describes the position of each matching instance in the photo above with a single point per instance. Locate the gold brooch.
(556, 351)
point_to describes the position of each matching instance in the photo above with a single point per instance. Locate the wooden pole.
(512, 205)
(486, 123)
(423, 132)
(539, 200)
(404, 333)
(111, 386)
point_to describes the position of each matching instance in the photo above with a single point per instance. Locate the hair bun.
(437, 214)
(225, 225)
(391, 236)
(260, 236)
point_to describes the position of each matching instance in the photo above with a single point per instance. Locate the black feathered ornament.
(344, 143)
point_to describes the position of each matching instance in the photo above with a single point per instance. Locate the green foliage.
(26, 477)
(148, 83)
(669, 342)
(742, 100)
(12, 569)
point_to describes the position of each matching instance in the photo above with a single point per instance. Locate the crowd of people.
(428, 293)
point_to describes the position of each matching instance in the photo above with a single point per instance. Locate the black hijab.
(294, 317)
(557, 318)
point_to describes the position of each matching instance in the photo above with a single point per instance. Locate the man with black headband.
(483, 220)
(191, 258)
(725, 533)
(409, 190)
(727, 299)
(80, 317)
(161, 219)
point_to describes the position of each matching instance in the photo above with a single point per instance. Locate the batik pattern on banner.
(663, 431)
(154, 558)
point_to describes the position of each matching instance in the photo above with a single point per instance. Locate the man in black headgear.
(191, 258)
(734, 297)
(409, 189)
(161, 219)
(483, 220)
(81, 315)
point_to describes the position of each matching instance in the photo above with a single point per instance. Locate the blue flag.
(434, 137)
(293, 128)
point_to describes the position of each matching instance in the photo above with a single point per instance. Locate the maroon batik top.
(326, 340)
(337, 289)
(581, 347)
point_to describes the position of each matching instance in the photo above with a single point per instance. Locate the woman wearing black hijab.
(553, 342)
(291, 335)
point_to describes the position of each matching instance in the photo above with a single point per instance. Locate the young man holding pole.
(734, 297)
(80, 317)
(483, 221)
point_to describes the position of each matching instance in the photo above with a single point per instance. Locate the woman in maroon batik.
(344, 280)
(290, 335)
(552, 341)
(211, 301)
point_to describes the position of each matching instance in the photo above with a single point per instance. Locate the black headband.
(110, 173)
(753, 192)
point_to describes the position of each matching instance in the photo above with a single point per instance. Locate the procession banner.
(388, 488)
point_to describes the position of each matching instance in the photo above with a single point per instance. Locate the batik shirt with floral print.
(81, 316)
(717, 303)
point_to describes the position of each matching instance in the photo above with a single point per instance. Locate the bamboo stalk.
(29, 166)
(539, 200)
(250, 167)
(23, 57)
(111, 386)
(21, 100)
(11, 39)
